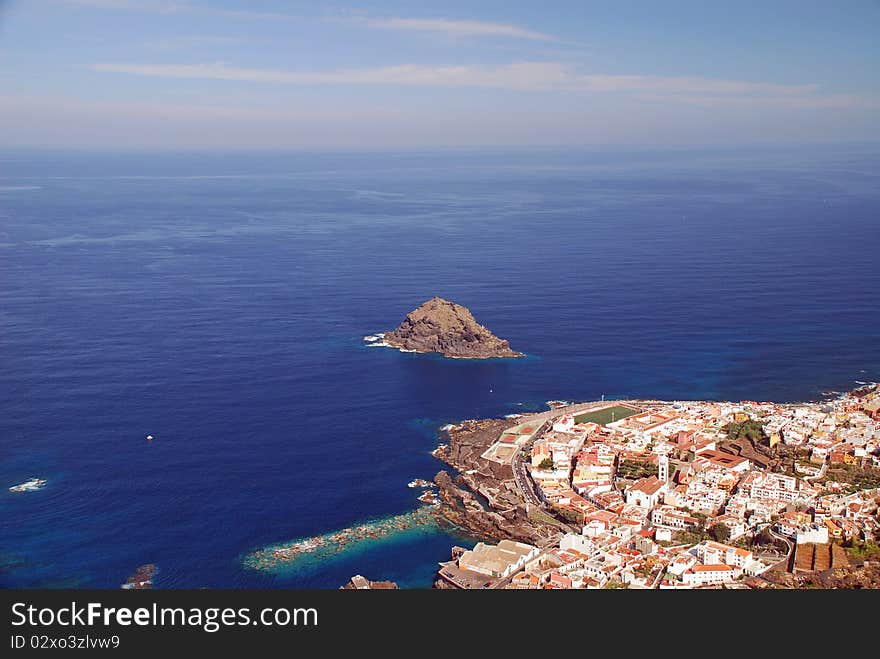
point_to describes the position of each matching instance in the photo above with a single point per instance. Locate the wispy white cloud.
(193, 41)
(176, 7)
(524, 76)
(149, 6)
(450, 27)
(457, 28)
(514, 76)
(688, 85)
(789, 101)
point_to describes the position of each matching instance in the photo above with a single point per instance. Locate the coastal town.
(668, 495)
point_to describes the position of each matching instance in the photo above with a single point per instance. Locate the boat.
(29, 485)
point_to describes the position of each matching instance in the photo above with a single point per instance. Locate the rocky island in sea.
(447, 328)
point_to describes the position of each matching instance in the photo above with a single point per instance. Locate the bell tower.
(663, 469)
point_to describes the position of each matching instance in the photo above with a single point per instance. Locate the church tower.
(663, 469)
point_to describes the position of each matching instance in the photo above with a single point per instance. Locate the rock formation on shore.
(358, 582)
(502, 513)
(442, 326)
(864, 577)
(142, 579)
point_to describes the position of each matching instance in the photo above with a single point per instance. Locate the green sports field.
(607, 415)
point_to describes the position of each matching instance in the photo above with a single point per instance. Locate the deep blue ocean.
(219, 303)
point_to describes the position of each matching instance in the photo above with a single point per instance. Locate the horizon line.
(586, 146)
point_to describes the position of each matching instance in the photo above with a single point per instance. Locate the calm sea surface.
(219, 303)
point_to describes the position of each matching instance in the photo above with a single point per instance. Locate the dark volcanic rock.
(469, 440)
(866, 576)
(358, 582)
(484, 499)
(450, 329)
(462, 509)
(142, 579)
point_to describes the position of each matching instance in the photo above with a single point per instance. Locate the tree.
(720, 532)
(752, 429)
(636, 469)
(765, 537)
(546, 463)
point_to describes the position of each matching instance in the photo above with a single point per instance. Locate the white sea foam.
(512, 416)
(31, 485)
(376, 193)
(447, 427)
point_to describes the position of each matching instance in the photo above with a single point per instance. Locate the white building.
(578, 542)
(706, 575)
(817, 533)
(663, 535)
(710, 552)
(669, 518)
(681, 564)
(564, 423)
(500, 560)
(645, 493)
(762, 485)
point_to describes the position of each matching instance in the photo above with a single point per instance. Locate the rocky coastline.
(359, 582)
(482, 497)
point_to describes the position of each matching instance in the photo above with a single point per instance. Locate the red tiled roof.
(722, 459)
(648, 485)
(712, 568)
(602, 516)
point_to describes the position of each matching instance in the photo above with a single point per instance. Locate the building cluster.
(649, 530)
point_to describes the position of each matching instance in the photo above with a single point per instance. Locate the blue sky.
(222, 74)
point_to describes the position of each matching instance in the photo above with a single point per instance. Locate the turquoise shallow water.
(219, 303)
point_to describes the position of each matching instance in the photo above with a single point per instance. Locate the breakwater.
(301, 553)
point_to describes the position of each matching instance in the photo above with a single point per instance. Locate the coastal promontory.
(447, 328)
